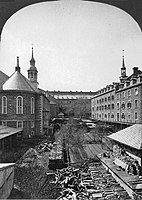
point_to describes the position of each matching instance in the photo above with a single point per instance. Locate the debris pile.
(56, 151)
(123, 160)
(89, 181)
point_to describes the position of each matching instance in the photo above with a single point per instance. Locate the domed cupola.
(32, 71)
(18, 82)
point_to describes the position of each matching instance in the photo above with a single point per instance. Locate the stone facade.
(120, 102)
(73, 104)
(23, 105)
(103, 104)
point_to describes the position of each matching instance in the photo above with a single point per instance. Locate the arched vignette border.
(10, 7)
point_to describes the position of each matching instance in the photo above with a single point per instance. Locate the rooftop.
(6, 131)
(3, 78)
(19, 82)
(131, 136)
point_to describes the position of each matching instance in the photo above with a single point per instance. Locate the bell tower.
(123, 70)
(32, 71)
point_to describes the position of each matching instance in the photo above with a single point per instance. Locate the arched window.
(32, 105)
(136, 115)
(123, 116)
(19, 105)
(136, 103)
(117, 105)
(129, 105)
(123, 106)
(4, 105)
(112, 116)
(112, 106)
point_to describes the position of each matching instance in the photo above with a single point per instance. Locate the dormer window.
(134, 81)
(127, 84)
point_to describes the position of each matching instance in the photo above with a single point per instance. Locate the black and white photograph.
(71, 99)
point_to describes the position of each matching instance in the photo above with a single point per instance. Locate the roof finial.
(32, 61)
(123, 62)
(32, 51)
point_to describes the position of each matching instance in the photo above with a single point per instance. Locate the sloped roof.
(3, 78)
(131, 136)
(133, 75)
(19, 82)
(52, 100)
(6, 131)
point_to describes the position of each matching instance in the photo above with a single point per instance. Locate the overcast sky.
(77, 44)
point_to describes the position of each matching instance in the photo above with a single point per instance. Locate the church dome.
(18, 82)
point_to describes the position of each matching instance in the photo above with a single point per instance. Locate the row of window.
(118, 116)
(105, 107)
(19, 105)
(127, 93)
(73, 98)
(129, 116)
(63, 102)
(123, 95)
(123, 106)
(129, 105)
(105, 99)
(105, 115)
(19, 124)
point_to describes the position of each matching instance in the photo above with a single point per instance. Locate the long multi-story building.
(120, 103)
(73, 103)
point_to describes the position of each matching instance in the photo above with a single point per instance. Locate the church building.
(22, 104)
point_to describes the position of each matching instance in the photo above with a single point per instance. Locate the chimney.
(135, 71)
(17, 68)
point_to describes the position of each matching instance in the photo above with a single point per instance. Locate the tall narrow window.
(19, 124)
(32, 105)
(136, 103)
(19, 105)
(4, 105)
(129, 93)
(32, 124)
(136, 91)
(136, 115)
